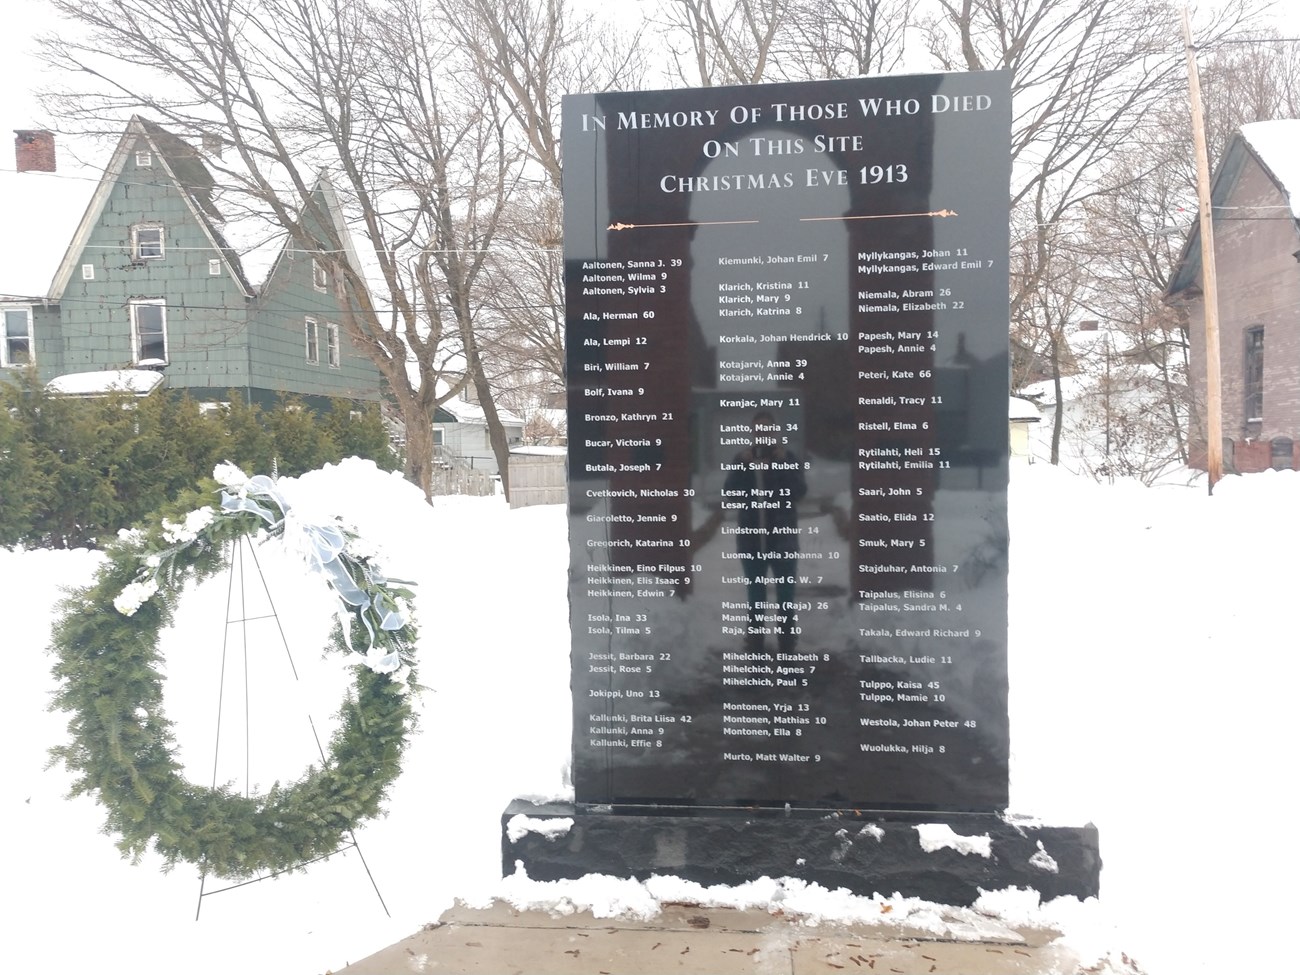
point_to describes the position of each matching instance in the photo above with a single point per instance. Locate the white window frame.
(137, 350)
(144, 159)
(311, 340)
(87, 272)
(320, 275)
(151, 228)
(214, 267)
(332, 351)
(6, 358)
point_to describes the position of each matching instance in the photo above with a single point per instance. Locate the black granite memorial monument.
(788, 462)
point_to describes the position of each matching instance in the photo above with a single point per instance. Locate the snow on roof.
(1277, 144)
(541, 450)
(101, 382)
(1023, 409)
(44, 207)
(47, 208)
(466, 412)
(1044, 393)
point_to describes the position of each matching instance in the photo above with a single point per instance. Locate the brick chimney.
(34, 151)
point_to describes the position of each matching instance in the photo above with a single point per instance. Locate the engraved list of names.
(787, 386)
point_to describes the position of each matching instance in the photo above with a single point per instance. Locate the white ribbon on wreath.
(324, 548)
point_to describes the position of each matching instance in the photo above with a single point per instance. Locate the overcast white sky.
(21, 73)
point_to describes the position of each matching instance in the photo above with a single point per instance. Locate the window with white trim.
(312, 340)
(320, 275)
(16, 336)
(214, 267)
(146, 242)
(332, 344)
(144, 159)
(149, 331)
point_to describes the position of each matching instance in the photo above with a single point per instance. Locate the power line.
(14, 298)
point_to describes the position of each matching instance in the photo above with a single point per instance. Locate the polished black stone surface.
(787, 367)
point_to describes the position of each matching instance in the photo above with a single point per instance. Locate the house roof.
(182, 163)
(249, 242)
(1023, 410)
(283, 243)
(466, 412)
(1275, 146)
(1043, 393)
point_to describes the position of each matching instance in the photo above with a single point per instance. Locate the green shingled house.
(155, 279)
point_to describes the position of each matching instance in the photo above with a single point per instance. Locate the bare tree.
(1246, 82)
(529, 55)
(367, 92)
(524, 292)
(722, 42)
(1132, 244)
(1134, 234)
(533, 52)
(833, 39)
(1087, 78)
(1041, 323)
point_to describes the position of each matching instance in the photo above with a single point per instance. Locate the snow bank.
(1150, 671)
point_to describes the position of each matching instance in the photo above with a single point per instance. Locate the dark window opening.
(149, 319)
(1254, 374)
(1282, 454)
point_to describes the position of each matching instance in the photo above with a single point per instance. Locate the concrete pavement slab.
(695, 941)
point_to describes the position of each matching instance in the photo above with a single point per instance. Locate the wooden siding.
(218, 339)
(468, 443)
(207, 315)
(279, 354)
(538, 479)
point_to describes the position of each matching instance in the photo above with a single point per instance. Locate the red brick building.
(1256, 201)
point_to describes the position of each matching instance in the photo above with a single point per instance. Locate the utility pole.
(1209, 280)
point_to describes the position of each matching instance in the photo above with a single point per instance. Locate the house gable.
(1227, 200)
(150, 154)
(1256, 243)
(149, 280)
(145, 280)
(299, 338)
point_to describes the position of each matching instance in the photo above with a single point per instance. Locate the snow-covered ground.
(1152, 657)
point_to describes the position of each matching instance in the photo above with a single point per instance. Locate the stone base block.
(947, 858)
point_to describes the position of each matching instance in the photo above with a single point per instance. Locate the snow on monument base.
(947, 858)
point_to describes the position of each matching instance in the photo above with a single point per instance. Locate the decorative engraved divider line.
(720, 223)
(688, 223)
(237, 549)
(885, 216)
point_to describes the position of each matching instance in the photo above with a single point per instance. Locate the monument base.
(945, 857)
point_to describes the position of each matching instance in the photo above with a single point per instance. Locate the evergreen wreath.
(106, 642)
